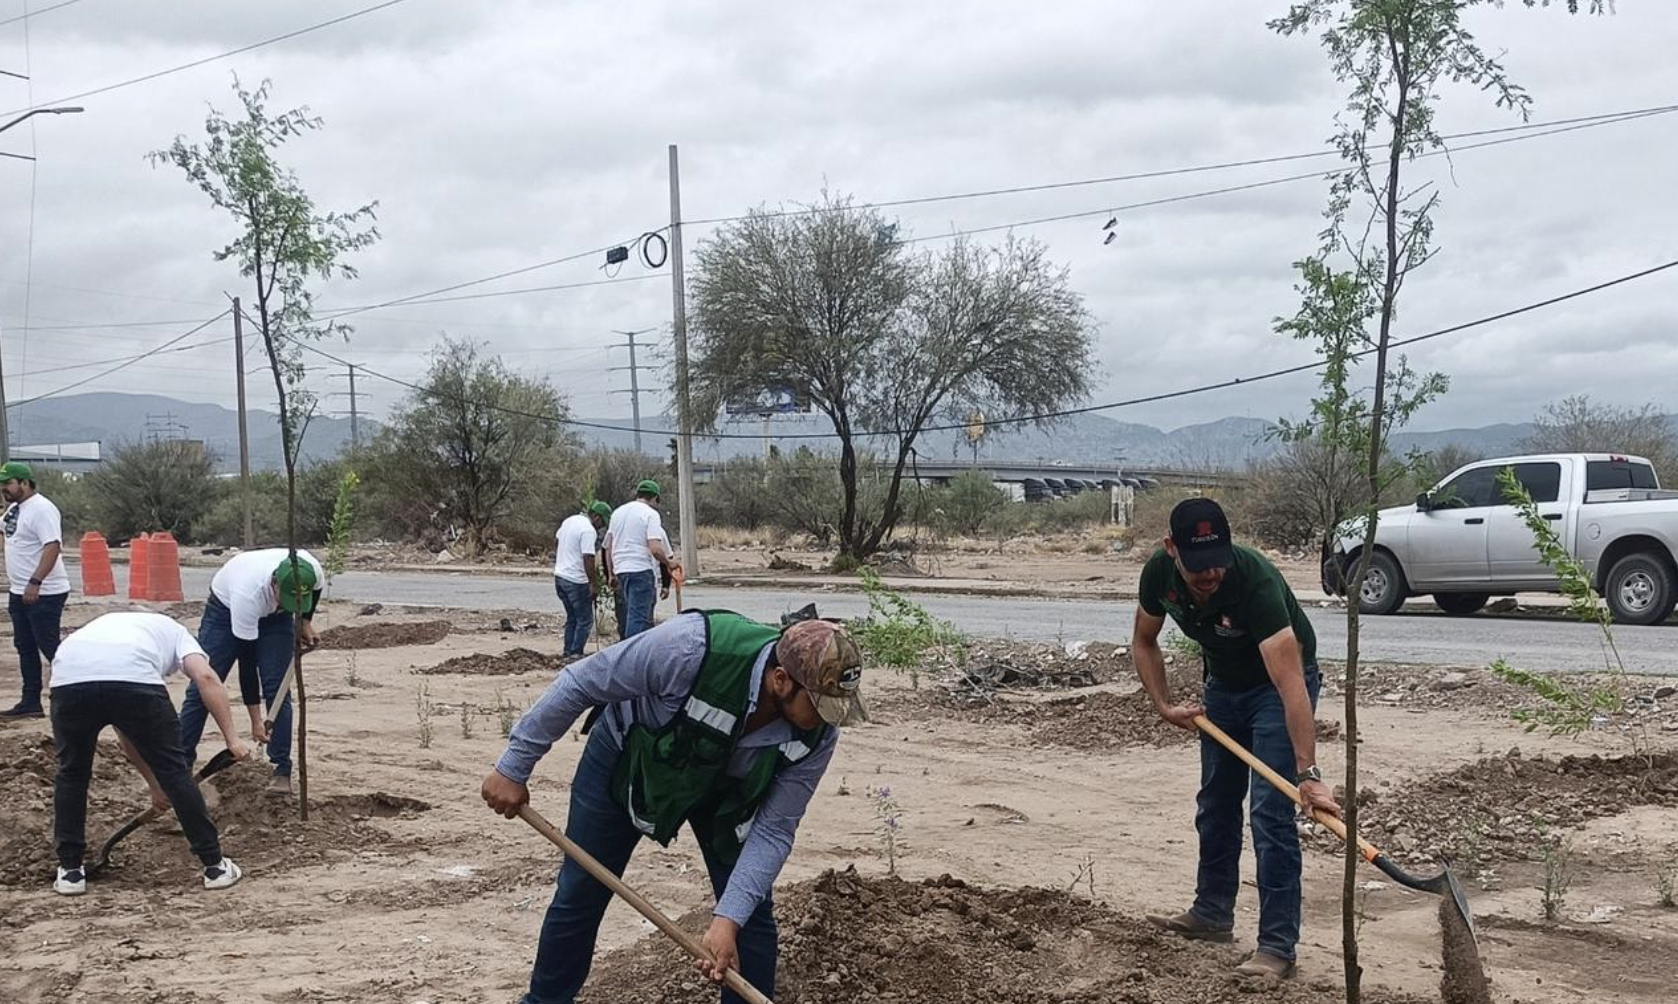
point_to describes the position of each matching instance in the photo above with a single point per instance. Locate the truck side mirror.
(1424, 502)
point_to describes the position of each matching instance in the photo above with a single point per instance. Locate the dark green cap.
(600, 509)
(15, 471)
(648, 487)
(290, 580)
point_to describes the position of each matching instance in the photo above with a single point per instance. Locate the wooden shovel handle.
(1370, 851)
(604, 876)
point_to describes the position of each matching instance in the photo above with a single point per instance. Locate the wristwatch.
(1311, 773)
(35, 582)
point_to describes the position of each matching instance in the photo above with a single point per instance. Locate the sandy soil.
(404, 888)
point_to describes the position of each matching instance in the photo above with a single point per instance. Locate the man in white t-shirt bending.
(635, 547)
(248, 620)
(576, 579)
(112, 672)
(39, 585)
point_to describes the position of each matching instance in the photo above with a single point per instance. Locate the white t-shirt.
(125, 647)
(38, 524)
(633, 524)
(245, 585)
(576, 537)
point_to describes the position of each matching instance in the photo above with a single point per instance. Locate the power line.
(417, 299)
(1602, 118)
(219, 56)
(1063, 413)
(37, 13)
(121, 365)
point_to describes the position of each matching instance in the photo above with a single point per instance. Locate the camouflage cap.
(824, 660)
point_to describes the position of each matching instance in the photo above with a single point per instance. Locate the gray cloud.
(496, 136)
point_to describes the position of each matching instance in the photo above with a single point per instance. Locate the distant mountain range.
(113, 419)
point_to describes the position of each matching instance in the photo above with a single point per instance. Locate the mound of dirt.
(1497, 809)
(518, 660)
(845, 938)
(385, 635)
(260, 831)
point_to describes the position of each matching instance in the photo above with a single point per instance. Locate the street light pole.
(5, 424)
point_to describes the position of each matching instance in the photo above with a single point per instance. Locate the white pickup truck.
(1463, 544)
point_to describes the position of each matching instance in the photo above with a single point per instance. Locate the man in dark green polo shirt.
(1260, 666)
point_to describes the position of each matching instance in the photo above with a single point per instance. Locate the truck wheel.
(1384, 587)
(1640, 589)
(1460, 604)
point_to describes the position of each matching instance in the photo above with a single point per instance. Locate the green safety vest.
(679, 772)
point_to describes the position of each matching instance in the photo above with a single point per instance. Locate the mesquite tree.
(1396, 57)
(828, 302)
(283, 245)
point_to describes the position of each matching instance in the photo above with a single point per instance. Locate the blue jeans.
(640, 594)
(579, 613)
(600, 826)
(1254, 719)
(262, 668)
(36, 628)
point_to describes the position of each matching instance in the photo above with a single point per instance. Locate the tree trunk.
(850, 534)
(888, 518)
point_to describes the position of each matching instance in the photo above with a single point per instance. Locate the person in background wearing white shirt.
(576, 579)
(248, 619)
(39, 584)
(112, 672)
(634, 544)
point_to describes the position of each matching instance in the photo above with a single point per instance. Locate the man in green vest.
(709, 720)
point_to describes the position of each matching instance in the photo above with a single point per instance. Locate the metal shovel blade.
(218, 763)
(1444, 884)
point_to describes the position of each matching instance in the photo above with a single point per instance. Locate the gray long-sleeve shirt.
(645, 679)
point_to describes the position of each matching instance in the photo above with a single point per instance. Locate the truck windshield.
(1600, 474)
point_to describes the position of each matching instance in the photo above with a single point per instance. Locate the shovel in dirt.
(218, 763)
(604, 876)
(1444, 884)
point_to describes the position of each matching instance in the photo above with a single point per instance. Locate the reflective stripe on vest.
(795, 750)
(711, 716)
(744, 829)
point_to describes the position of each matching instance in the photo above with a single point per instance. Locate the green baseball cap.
(600, 509)
(648, 487)
(14, 471)
(289, 580)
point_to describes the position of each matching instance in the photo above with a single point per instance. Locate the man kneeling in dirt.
(709, 719)
(1259, 658)
(111, 672)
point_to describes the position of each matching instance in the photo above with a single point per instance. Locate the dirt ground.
(403, 888)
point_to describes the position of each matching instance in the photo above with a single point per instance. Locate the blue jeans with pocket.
(1254, 719)
(579, 613)
(601, 826)
(36, 628)
(262, 668)
(640, 596)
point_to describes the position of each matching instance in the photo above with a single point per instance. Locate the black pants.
(145, 715)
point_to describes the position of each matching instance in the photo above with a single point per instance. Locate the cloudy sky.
(498, 136)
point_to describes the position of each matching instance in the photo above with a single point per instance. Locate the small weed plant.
(1666, 879)
(889, 816)
(350, 678)
(898, 632)
(467, 713)
(506, 713)
(1182, 644)
(1556, 852)
(343, 521)
(424, 709)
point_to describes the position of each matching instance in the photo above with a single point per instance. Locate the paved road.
(1527, 642)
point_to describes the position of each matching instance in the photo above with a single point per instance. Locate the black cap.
(1200, 530)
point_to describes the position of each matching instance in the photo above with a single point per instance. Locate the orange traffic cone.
(165, 572)
(139, 567)
(97, 579)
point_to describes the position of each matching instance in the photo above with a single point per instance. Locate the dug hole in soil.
(260, 831)
(508, 663)
(846, 939)
(385, 634)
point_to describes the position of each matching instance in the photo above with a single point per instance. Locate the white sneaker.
(70, 882)
(220, 876)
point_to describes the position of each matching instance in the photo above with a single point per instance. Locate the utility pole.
(244, 431)
(684, 417)
(634, 391)
(355, 413)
